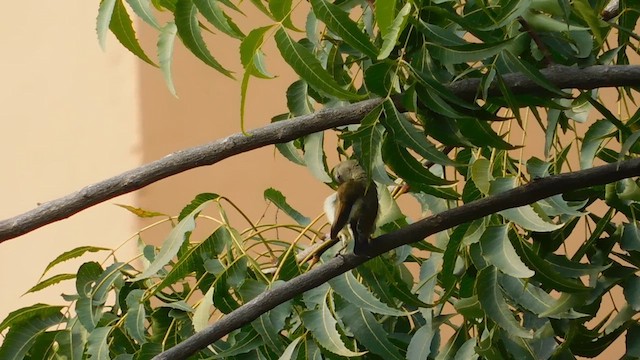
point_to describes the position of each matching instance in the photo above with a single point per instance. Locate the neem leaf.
(71, 254)
(166, 41)
(498, 251)
(369, 332)
(339, 22)
(357, 294)
(212, 12)
(122, 27)
(409, 136)
(280, 201)
(189, 30)
(307, 66)
(390, 38)
(173, 242)
(494, 305)
(322, 325)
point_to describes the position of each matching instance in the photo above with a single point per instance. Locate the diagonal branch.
(283, 131)
(523, 195)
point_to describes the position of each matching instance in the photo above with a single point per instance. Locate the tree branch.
(523, 195)
(283, 131)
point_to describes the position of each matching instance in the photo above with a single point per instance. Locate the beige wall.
(70, 117)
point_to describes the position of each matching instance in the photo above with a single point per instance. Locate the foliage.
(503, 286)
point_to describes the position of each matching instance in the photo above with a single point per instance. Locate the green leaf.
(480, 133)
(536, 300)
(385, 11)
(390, 38)
(166, 41)
(514, 64)
(104, 283)
(24, 331)
(142, 8)
(357, 294)
(50, 281)
(251, 58)
(477, 51)
(409, 136)
(244, 343)
(136, 314)
(105, 11)
(122, 27)
(189, 30)
(630, 237)
(72, 254)
(314, 156)
(593, 139)
(499, 252)
(586, 11)
(173, 242)
(524, 216)
(369, 332)
(281, 10)
(339, 22)
(628, 143)
(493, 303)
(322, 325)
(632, 292)
(269, 333)
(87, 274)
(191, 260)
(544, 271)
(481, 175)
(307, 66)
(40, 311)
(407, 167)
(280, 201)
(290, 352)
(97, 346)
(420, 344)
(298, 101)
(212, 12)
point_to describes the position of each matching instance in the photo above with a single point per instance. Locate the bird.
(356, 203)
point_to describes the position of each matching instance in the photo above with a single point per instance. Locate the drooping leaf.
(369, 332)
(409, 136)
(280, 201)
(122, 27)
(475, 52)
(186, 21)
(339, 22)
(390, 37)
(173, 242)
(29, 312)
(166, 41)
(214, 14)
(24, 331)
(494, 305)
(314, 156)
(499, 252)
(593, 139)
(322, 325)
(307, 66)
(105, 11)
(142, 8)
(136, 314)
(355, 293)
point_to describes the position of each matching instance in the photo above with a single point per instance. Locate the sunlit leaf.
(390, 37)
